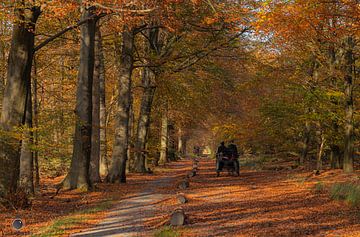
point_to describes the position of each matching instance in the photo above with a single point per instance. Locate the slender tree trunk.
(184, 146)
(144, 120)
(78, 177)
(306, 143)
(171, 147)
(94, 171)
(164, 139)
(320, 151)
(335, 156)
(16, 90)
(117, 172)
(349, 107)
(131, 158)
(104, 164)
(26, 175)
(36, 125)
(180, 143)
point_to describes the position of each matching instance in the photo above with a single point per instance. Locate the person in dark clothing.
(221, 149)
(234, 154)
(233, 151)
(221, 153)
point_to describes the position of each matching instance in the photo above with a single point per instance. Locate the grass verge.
(59, 226)
(348, 192)
(167, 231)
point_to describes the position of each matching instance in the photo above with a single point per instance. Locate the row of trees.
(149, 46)
(304, 94)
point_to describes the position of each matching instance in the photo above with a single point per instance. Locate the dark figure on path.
(233, 151)
(197, 150)
(221, 149)
(226, 157)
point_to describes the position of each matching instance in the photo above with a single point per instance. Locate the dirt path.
(128, 217)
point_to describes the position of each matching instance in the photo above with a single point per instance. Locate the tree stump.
(178, 218)
(184, 184)
(182, 199)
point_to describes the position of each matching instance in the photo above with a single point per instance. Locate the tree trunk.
(104, 163)
(94, 171)
(117, 172)
(349, 110)
(180, 144)
(26, 175)
(306, 143)
(36, 125)
(16, 90)
(144, 121)
(335, 157)
(164, 139)
(78, 177)
(320, 152)
(131, 161)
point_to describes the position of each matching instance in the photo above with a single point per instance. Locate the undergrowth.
(167, 231)
(319, 187)
(348, 192)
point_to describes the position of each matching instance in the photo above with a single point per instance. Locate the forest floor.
(274, 201)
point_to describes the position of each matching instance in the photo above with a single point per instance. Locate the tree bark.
(144, 120)
(349, 107)
(36, 125)
(117, 172)
(164, 139)
(320, 151)
(94, 171)
(180, 143)
(104, 163)
(306, 143)
(26, 175)
(16, 90)
(78, 176)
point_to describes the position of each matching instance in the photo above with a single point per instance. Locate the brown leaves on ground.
(48, 207)
(262, 203)
(258, 203)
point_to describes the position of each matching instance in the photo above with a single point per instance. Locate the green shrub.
(167, 231)
(348, 192)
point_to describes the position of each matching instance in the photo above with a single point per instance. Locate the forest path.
(127, 218)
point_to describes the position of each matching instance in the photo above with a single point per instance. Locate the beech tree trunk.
(144, 120)
(78, 176)
(26, 175)
(16, 90)
(349, 107)
(94, 170)
(104, 163)
(164, 139)
(36, 125)
(117, 172)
